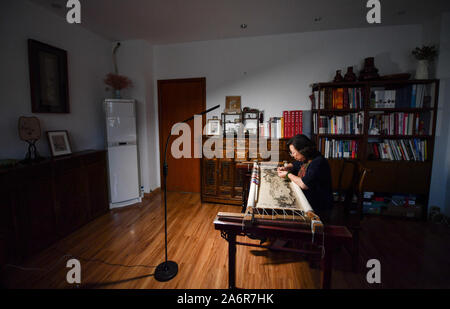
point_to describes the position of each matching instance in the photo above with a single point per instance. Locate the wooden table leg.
(327, 269)
(231, 260)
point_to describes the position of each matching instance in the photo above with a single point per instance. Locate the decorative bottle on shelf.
(350, 76)
(338, 78)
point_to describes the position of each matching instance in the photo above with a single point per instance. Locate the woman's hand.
(282, 174)
(282, 168)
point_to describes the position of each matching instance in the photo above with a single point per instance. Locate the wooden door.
(178, 100)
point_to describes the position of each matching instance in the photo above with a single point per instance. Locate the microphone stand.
(167, 270)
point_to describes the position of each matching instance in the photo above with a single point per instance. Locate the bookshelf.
(397, 127)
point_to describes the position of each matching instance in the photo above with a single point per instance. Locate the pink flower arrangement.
(118, 82)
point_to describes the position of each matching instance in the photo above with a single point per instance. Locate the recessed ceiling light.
(317, 19)
(243, 26)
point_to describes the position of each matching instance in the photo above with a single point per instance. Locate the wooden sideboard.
(222, 182)
(44, 202)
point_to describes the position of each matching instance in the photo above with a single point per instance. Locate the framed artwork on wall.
(59, 143)
(232, 105)
(213, 126)
(48, 78)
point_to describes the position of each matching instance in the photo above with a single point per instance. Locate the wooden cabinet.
(44, 202)
(222, 182)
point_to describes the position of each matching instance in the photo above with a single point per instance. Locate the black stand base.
(166, 271)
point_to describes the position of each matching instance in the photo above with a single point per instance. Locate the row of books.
(399, 150)
(411, 96)
(347, 124)
(338, 98)
(336, 149)
(399, 124)
(293, 123)
(287, 126)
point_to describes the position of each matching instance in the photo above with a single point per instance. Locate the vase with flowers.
(424, 55)
(118, 82)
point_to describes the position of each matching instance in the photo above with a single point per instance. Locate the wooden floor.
(412, 254)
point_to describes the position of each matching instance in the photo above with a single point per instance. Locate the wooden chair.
(347, 211)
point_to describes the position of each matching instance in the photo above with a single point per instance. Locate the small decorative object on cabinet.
(231, 122)
(251, 120)
(213, 126)
(59, 143)
(30, 132)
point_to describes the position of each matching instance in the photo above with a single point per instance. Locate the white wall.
(440, 181)
(135, 60)
(273, 73)
(88, 61)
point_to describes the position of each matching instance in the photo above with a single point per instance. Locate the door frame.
(202, 80)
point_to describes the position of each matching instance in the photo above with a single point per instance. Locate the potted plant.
(117, 82)
(424, 55)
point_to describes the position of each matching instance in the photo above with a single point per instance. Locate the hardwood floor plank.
(412, 254)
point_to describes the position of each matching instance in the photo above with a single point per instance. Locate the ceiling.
(176, 21)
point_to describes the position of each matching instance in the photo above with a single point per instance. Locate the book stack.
(399, 124)
(338, 98)
(348, 124)
(411, 96)
(336, 149)
(287, 126)
(274, 128)
(399, 150)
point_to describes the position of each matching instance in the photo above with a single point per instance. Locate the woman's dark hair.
(304, 145)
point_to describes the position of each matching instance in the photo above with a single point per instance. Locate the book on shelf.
(399, 150)
(410, 96)
(351, 124)
(338, 149)
(400, 124)
(283, 127)
(292, 123)
(338, 98)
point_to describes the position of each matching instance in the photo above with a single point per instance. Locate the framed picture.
(232, 105)
(59, 143)
(213, 126)
(48, 78)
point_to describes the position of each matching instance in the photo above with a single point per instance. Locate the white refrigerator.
(121, 139)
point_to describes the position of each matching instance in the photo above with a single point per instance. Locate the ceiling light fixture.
(317, 19)
(243, 26)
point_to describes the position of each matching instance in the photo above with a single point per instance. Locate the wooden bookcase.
(388, 176)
